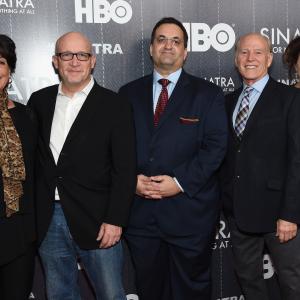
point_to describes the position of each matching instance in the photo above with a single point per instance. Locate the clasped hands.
(156, 187)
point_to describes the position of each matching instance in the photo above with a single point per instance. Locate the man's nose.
(74, 61)
(169, 44)
(251, 55)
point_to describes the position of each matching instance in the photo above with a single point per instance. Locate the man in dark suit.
(181, 135)
(86, 175)
(261, 172)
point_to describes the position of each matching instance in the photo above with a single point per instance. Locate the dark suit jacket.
(17, 232)
(95, 172)
(189, 151)
(261, 174)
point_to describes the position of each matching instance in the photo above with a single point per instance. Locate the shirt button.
(151, 159)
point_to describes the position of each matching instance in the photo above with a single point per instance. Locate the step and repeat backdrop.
(120, 33)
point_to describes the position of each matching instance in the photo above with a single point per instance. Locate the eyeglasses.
(164, 40)
(66, 56)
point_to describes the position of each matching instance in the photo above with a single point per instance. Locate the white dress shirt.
(65, 113)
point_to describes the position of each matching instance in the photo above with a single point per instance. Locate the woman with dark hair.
(17, 150)
(291, 58)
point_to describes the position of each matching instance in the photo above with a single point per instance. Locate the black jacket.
(95, 172)
(261, 174)
(18, 231)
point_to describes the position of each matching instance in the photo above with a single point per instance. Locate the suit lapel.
(48, 116)
(178, 95)
(88, 108)
(261, 104)
(145, 98)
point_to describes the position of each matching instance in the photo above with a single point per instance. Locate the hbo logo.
(268, 266)
(101, 11)
(201, 37)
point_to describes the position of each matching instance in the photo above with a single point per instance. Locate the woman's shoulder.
(24, 111)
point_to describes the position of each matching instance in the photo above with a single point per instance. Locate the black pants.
(248, 252)
(172, 268)
(16, 276)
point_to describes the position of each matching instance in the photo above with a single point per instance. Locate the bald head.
(254, 35)
(253, 57)
(74, 61)
(73, 37)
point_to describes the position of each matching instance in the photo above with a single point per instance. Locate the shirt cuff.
(178, 184)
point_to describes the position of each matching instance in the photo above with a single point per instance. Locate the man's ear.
(93, 61)
(55, 61)
(270, 59)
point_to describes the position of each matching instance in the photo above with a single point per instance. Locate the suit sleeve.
(194, 173)
(290, 208)
(123, 169)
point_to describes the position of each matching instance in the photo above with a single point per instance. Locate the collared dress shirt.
(65, 113)
(258, 87)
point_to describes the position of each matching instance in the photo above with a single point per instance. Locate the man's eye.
(82, 55)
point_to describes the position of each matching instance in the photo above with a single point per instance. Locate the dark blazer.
(17, 232)
(261, 174)
(95, 172)
(190, 149)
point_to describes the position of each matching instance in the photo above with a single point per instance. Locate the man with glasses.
(85, 175)
(181, 138)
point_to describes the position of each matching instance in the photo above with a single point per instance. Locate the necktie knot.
(164, 82)
(247, 91)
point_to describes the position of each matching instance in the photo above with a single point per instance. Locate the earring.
(9, 82)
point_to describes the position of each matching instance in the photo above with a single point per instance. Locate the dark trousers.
(172, 268)
(248, 252)
(16, 277)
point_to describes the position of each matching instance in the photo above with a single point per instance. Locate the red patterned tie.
(162, 100)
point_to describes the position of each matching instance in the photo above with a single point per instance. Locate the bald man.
(86, 175)
(261, 173)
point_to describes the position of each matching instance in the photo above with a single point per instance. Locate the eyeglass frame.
(163, 40)
(89, 55)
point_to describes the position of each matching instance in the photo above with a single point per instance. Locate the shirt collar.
(173, 77)
(86, 90)
(260, 84)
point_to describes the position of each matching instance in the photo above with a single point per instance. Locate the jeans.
(59, 254)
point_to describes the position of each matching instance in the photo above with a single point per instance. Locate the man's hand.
(286, 230)
(109, 235)
(163, 186)
(144, 188)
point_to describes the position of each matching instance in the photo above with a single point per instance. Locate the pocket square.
(184, 120)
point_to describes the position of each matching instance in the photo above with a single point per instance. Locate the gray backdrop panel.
(120, 32)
